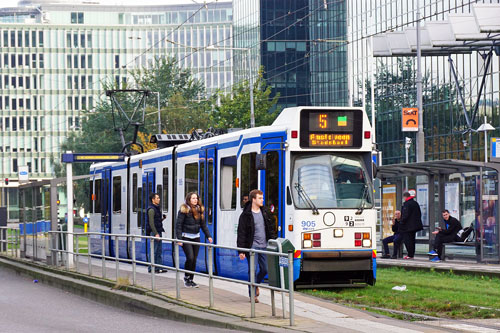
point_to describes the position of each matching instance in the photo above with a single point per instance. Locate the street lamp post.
(250, 80)
(485, 127)
(407, 148)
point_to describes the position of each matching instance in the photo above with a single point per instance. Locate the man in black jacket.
(411, 222)
(447, 235)
(154, 228)
(254, 230)
(395, 238)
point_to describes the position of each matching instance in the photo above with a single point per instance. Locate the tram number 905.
(308, 225)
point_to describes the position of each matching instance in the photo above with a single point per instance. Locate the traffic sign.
(409, 120)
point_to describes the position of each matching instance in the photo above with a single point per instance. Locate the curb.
(135, 299)
(440, 268)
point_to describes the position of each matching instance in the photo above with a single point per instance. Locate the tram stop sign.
(409, 120)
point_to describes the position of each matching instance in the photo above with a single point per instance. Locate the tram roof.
(443, 167)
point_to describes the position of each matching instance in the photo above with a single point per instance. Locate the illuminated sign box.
(331, 128)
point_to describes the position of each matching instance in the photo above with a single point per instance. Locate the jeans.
(396, 239)
(191, 252)
(441, 239)
(157, 250)
(261, 263)
(409, 240)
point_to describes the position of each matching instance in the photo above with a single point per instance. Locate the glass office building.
(301, 45)
(55, 57)
(395, 87)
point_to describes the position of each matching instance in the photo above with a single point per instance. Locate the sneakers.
(407, 258)
(187, 283)
(432, 253)
(435, 259)
(386, 256)
(193, 284)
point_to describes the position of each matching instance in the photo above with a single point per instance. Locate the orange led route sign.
(409, 120)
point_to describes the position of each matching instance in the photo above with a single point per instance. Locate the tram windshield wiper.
(363, 200)
(305, 197)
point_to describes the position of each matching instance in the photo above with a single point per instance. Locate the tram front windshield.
(330, 181)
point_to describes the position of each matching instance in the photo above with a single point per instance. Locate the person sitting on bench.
(447, 235)
(396, 238)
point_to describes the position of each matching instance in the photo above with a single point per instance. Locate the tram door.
(106, 210)
(272, 180)
(207, 189)
(148, 187)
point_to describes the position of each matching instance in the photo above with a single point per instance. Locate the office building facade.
(301, 45)
(55, 58)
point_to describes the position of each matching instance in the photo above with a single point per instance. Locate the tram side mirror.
(260, 162)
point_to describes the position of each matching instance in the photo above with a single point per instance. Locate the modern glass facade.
(54, 59)
(395, 87)
(300, 43)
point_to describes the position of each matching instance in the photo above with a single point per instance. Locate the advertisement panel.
(388, 208)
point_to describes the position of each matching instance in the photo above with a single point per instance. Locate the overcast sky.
(13, 3)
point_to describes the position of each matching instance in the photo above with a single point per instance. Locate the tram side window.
(228, 183)
(117, 200)
(165, 190)
(134, 193)
(249, 175)
(160, 192)
(97, 196)
(190, 178)
(91, 191)
(139, 207)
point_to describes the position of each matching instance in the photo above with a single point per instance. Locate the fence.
(57, 253)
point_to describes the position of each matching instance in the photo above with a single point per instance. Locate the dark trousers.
(396, 239)
(191, 252)
(409, 241)
(157, 250)
(441, 239)
(261, 264)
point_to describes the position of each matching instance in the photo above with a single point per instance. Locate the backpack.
(464, 234)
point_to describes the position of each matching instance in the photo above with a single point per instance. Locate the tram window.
(139, 206)
(272, 194)
(134, 193)
(117, 200)
(228, 183)
(210, 196)
(190, 178)
(248, 174)
(91, 188)
(201, 175)
(97, 196)
(159, 191)
(165, 190)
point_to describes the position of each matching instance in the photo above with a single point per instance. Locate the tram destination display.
(331, 128)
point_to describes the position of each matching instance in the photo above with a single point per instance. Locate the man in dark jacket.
(154, 228)
(411, 222)
(395, 238)
(254, 230)
(447, 235)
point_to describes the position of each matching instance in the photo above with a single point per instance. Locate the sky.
(13, 3)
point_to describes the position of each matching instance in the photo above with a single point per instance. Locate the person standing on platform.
(447, 235)
(254, 230)
(190, 220)
(395, 238)
(410, 224)
(154, 228)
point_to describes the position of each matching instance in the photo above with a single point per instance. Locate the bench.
(467, 244)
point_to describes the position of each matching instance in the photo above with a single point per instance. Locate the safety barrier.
(55, 250)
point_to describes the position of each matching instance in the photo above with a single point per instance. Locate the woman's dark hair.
(196, 210)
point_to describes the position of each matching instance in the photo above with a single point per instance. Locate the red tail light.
(367, 134)
(316, 243)
(317, 235)
(357, 235)
(357, 242)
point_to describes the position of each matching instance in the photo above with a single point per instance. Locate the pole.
(159, 118)
(485, 142)
(250, 82)
(420, 133)
(69, 191)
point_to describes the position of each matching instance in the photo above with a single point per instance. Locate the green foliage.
(234, 108)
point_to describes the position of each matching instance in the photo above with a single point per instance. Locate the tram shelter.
(468, 189)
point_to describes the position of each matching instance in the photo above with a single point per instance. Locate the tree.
(234, 108)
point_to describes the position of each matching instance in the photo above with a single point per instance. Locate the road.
(26, 306)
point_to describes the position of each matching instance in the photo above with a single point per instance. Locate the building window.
(77, 18)
(14, 165)
(42, 165)
(40, 39)
(40, 60)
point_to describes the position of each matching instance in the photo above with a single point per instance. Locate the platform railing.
(57, 251)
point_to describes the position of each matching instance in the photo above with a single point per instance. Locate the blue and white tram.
(317, 183)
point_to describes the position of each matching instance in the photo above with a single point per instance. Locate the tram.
(314, 165)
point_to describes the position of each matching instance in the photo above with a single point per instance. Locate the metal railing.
(10, 241)
(54, 238)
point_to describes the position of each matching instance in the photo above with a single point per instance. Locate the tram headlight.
(307, 243)
(367, 243)
(338, 233)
